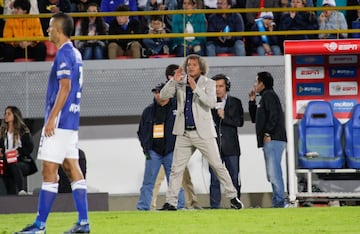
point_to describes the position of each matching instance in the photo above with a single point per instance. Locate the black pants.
(38, 52)
(14, 178)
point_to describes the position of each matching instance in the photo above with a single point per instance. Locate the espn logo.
(310, 73)
(343, 88)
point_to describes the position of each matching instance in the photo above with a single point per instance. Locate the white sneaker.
(22, 193)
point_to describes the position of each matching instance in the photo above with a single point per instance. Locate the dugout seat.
(352, 139)
(320, 138)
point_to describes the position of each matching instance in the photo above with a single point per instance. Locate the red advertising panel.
(325, 70)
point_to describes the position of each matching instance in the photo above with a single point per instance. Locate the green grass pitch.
(336, 220)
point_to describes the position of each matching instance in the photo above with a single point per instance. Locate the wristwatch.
(267, 135)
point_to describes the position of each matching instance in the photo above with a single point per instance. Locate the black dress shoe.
(235, 203)
(168, 206)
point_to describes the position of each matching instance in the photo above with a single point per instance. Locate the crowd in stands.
(178, 23)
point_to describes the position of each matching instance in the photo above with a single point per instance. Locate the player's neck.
(62, 40)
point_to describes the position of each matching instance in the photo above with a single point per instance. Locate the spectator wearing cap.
(265, 44)
(157, 141)
(332, 20)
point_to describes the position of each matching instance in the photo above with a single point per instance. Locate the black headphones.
(223, 77)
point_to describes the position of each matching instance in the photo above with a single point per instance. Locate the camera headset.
(223, 77)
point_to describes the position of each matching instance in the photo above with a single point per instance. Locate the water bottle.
(226, 30)
(261, 28)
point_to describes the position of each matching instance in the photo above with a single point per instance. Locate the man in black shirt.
(156, 139)
(269, 120)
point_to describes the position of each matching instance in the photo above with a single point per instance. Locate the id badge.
(158, 131)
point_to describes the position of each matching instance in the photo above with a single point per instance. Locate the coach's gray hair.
(204, 67)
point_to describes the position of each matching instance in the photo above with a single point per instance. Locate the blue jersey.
(67, 65)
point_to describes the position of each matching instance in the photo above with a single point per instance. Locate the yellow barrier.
(197, 11)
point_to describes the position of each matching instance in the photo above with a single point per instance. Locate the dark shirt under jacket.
(188, 111)
(161, 113)
(149, 117)
(268, 117)
(133, 27)
(189, 117)
(227, 127)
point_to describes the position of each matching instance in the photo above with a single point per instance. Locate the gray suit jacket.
(204, 100)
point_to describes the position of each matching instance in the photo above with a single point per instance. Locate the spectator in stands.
(51, 7)
(250, 17)
(332, 20)
(319, 3)
(91, 26)
(156, 46)
(298, 20)
(157, 141)
(111, 6)
(356, 25)
(266, 44)
(2, 22)
(352, 15)
(121, 25)
(223, 22)
(154, 5)
(9, 5)
(23, 27)
(81, 5)
(16, 146)
(193, 23)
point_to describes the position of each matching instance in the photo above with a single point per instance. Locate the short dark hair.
(22, 4)
(170, 70)
(266, 78)
(122, 7)
(67, 23)
(156, 18)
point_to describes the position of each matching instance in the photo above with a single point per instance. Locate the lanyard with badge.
(158, 130)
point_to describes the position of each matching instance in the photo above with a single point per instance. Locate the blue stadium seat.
(320, 138)
(352, 139)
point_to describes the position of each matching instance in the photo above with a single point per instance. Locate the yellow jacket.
(22, 27)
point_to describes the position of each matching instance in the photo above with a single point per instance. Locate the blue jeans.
(274, 49)
(93, 52)
(273, 154)
(232, 165)
(152, 167)
(238, 49)
(156, 48)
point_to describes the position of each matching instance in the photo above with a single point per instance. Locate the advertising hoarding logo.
(343, 105)
(333, 46)
(301, 105)
(310, 73)
(343, 72)
(310, 59)
(310, 89)
(343, 88)
(343, 59)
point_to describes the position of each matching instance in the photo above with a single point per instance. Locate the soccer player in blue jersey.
(58, 143)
